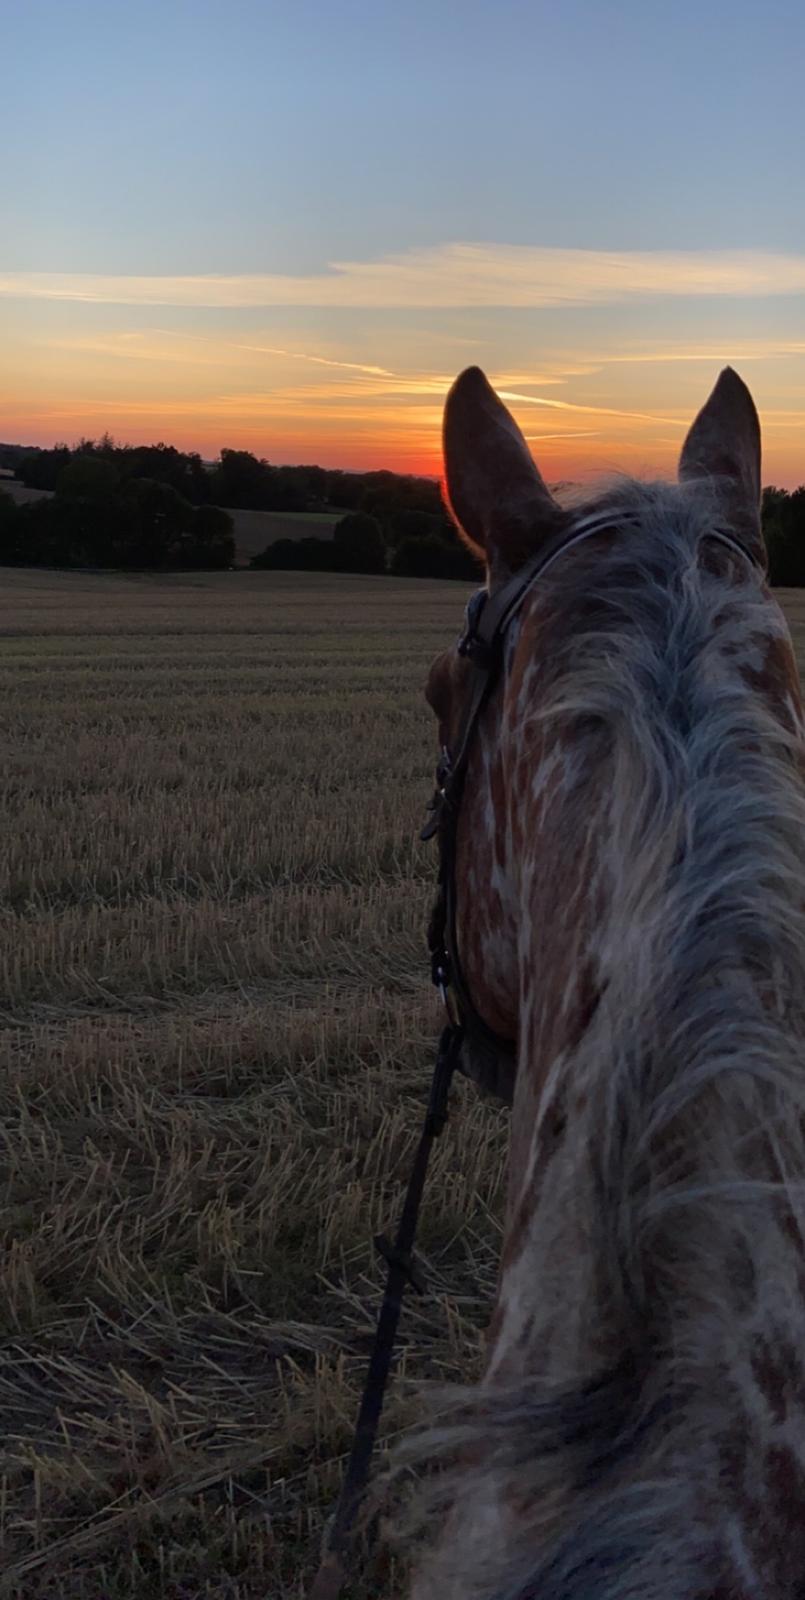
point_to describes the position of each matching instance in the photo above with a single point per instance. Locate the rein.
(493, 1065)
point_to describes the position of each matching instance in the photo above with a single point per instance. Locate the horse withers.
(629, 876)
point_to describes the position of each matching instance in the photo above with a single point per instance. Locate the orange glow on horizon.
(366, 449)
(350, 367)
(364, 406)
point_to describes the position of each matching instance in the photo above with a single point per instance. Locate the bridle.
(492, 1058)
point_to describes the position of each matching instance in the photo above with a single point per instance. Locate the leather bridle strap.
(483, 640)
(488, 619)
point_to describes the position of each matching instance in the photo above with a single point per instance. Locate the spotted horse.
(628, 881)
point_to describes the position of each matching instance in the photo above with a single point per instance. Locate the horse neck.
(657, 1128)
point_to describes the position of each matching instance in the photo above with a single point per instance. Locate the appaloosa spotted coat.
(630, 880)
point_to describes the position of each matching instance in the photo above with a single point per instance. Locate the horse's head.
(624, 829)
(518, 766)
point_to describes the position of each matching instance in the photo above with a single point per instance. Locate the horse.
(628, 882)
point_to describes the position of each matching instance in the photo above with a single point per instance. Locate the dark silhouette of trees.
(142, 505)
(240, 481)
(183, 471)
(159, 522)
(41, 468)
(245, 483)
(407, 524)
(12, 456)
(91, 521)
(212, 544)
(358, 544)
(88, 477)
(384, 494)
(784, 532)
(428, 556)
(344, 490)
(10, 531)
(296, 555)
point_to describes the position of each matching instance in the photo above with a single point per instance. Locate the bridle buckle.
(471, 645)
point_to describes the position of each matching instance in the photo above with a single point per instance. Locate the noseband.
(492, 1059)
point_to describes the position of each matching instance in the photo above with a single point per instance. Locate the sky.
(287, 227)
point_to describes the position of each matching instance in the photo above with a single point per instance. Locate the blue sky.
(183, 140)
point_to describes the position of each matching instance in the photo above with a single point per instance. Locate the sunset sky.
(286, 227)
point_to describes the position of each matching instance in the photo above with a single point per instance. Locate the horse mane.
(687, 1158)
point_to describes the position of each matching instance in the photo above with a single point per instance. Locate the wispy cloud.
(578, 433)
(449, 275)
(319, 361)
(571, 405)
(743, 350)
(167, 346)
(339, 378)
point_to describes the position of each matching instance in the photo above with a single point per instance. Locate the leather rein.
(493, 1060)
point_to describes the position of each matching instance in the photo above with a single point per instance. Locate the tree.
(183, 470)
(358, 544)
(211, 543)
(10, 530)
(429, 557)
(344, 490)
(296, 555)
(158, 524)
(314, 483)
(387, 493)
(414, 525)
(88, 477)
(241, 481)
(421, 556)
(41, 470)
(286, 490)
(784, 532)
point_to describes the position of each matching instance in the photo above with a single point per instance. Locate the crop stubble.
(216, 1036)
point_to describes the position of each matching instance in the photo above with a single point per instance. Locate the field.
(217, 1034)
(216, 1037)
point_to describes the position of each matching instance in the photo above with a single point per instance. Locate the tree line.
(100, 516)
(783, 516)
(153, 506)
(238, 480)
(409, 544)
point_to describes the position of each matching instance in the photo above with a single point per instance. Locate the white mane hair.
(687, 1159)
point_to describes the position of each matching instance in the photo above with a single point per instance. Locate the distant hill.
(20, 494)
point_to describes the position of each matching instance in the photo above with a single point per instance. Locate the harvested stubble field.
(217, 1035)
(216, 1039)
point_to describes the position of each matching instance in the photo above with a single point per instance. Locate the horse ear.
(724, 444)
(492, 487)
